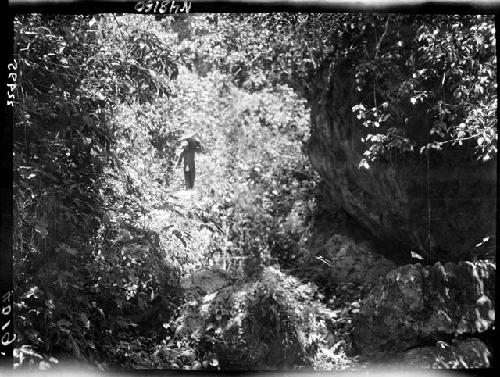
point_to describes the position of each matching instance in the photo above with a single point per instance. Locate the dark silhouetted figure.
(191, 146)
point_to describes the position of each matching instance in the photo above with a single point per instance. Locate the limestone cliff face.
(402, 200)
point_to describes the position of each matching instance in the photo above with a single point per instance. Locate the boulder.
(391, 199)
(462, 354)
(206, 281)
(414, 304)
(265, 324)
(344, 261)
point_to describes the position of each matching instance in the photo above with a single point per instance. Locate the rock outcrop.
(460, 354)
(414, 305)
(445, 210)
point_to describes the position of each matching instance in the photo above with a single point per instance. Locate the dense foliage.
(72, 272)
(95, 144)
(104, 232)
(447, 69)
(443, 64)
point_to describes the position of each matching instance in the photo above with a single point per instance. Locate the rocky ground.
(374, 313)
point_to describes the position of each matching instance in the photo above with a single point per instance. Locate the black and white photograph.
(296, 187)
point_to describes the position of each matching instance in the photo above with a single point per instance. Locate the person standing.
(190, 146)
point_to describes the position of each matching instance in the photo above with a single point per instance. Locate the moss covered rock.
(273, 322)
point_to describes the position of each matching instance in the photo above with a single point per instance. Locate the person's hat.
(189, 136)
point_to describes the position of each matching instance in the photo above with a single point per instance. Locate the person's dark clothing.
(189, 179)
(189, 165)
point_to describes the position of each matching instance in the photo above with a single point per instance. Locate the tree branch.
(386, 28)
